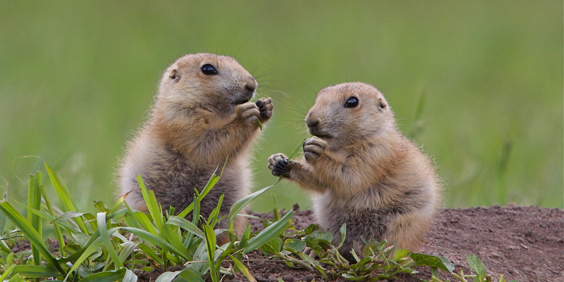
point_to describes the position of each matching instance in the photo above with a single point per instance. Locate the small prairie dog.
(363, 172)
(202, 118)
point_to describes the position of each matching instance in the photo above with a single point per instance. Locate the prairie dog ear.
(382, 104)
(174, 76)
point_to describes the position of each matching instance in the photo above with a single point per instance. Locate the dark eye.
(208, 69)
(351, 102)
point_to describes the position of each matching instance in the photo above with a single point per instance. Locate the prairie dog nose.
(311, 120)
(251, 84)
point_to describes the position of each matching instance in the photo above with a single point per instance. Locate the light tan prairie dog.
(363, 172)
(201, 118)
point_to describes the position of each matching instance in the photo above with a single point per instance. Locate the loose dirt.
(522, 243)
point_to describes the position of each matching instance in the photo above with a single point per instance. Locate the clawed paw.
(280, 165)
(313, 148)
(265, 107)
(249, 112)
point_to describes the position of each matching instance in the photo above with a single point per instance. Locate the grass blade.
(152, 205)
(168, 276)
(190, 275)
(116, 275)
(268, 233)
(211, 245)
(36, 271)
(71, 228)
(36, 212)
(432, 261)
(146, 223)
(343, 232)
(58, 232)
(174, 239)
(128, 248)
(239, 205)
(260, 124)
(211, 183)
(295, 151)
(418, 124)
(245, 237)
(64, 197)
(212, 219)
(154, 240)
(89, 251)
(31, 234)
(186, 225)
(34, 202)
(67, 216)
(3, 221)
(102, 227)
(118, 204)
(129, 276)
(16, 278)
(243, 269)
(130, 219)
(149, 252)
(199, 255)
(7, 272)
(477, 266)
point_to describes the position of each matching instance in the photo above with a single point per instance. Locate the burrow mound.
(522, 243)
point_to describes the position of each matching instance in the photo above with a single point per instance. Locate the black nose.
(312, 123)
(250, 87)
(251, 84)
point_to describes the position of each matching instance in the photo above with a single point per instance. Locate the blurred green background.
(77, 79)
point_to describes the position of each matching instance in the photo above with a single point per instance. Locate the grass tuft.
(119, 243)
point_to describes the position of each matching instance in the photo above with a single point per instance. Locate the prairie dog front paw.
(265, 107)
(280, 165)
(313, 148)
(248, 112)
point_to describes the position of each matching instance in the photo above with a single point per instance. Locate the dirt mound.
(523, 243)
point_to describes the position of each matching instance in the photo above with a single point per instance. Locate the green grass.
(120, 243)
(77, 79)
(102, 245)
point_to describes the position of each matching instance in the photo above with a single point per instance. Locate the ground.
(522, 243)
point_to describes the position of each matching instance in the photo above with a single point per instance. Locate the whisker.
(267, 72)
(242, 44)
(292, 102)
(218, 43)
(256, 67)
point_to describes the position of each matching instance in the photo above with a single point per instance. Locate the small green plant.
(311, 249)
(476, 265)
(111, 243)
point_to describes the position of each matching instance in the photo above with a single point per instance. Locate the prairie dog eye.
(208, 69)
(351, 102)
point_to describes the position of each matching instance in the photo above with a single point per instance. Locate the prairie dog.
(363, 172)
(202, 117)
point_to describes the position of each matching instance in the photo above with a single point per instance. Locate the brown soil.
(522, 243)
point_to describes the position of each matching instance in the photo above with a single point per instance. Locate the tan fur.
(363, 172)
(199, 122)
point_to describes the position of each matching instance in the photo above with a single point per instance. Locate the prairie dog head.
(207, 79)
(349, 113)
